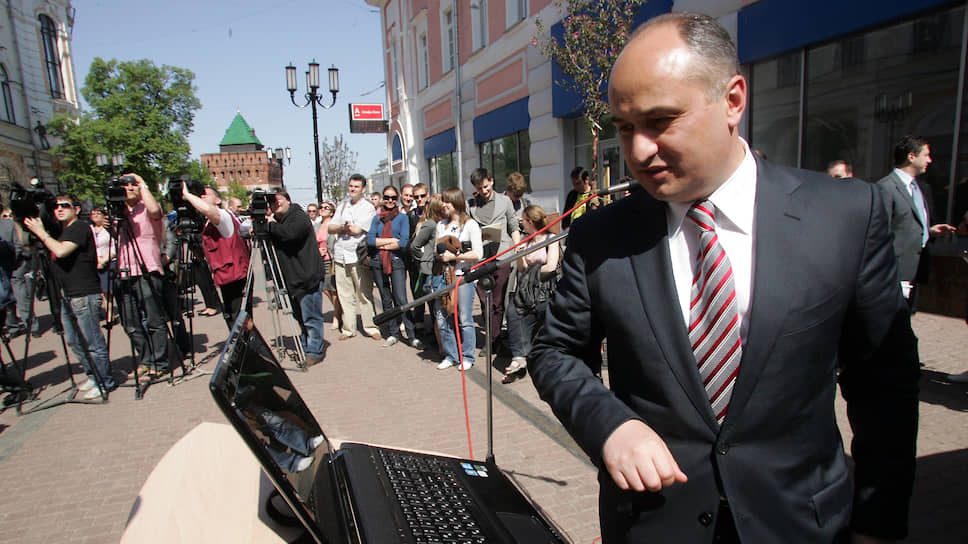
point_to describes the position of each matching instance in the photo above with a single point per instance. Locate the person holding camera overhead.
(291, 233)
(225, 250)
(74, 267)
(140, 289)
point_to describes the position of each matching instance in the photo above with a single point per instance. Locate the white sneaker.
(303, 463)
(446, 363)
(315, 441)
(87, 386)
(389, 341)
(416, 344)
(466, 365)
(92, 394)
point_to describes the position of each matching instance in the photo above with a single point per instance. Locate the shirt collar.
(905, 177)
(734, 199)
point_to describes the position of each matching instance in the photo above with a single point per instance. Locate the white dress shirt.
(360, 214)
(735, 202)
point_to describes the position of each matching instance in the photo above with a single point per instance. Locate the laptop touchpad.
(525, 529)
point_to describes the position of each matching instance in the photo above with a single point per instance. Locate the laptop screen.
(254, 392)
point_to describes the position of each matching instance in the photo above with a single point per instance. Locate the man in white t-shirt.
(354, 282)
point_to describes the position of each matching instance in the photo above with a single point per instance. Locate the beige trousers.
(354, 284)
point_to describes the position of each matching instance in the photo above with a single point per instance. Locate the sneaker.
(466, 365)
(93, 394)
(389, 341)
(87, 386)
(303, 463)
(417, 344)
(446, 363)
(312, 360)
(315, 441)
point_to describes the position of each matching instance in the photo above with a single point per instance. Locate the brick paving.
(72, 473)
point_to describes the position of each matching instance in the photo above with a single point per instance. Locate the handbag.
(363, 253)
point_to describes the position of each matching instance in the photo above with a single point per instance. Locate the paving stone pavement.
(71, 473)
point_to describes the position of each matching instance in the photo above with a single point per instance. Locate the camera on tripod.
(258, 209)
(187, 216)
(115, 195)
(34, 201)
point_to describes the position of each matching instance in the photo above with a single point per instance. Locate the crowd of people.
(404, 243)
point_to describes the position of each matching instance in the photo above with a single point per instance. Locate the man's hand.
(637, 458)
(36, 226)
(941, 229)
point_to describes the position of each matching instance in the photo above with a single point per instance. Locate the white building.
(36, 82)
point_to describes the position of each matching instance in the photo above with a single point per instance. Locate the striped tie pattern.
(713, 315)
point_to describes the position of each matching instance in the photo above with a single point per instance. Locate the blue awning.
(440, 143)
(505, 120)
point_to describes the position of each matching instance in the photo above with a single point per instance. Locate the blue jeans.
(445, 322)
(80, 317)
(311, 318)
(523, 326)
(150, 336)
(393, 294)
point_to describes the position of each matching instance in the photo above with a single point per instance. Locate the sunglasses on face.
(389, 197)
(64, 205)
(420, 196)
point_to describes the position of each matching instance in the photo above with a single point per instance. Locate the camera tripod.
(263, 262)
(187, 254)
(139, 296)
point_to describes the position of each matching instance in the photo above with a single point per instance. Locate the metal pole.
(956, 133)
(319, 176)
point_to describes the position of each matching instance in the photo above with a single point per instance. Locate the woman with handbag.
(537, 274)
(465, 248)
(387, 238)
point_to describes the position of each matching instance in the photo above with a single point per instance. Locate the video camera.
(189, 220)
(115, 195)
(258, 209)
(34, 201)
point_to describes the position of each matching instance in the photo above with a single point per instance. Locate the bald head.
(713, 60)
(677, 101)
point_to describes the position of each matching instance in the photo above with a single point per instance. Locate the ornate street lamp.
(113, 161)
(313, 98)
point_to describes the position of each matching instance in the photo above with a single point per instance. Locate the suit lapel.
(777, 222)
(657, 291)
(905, 196)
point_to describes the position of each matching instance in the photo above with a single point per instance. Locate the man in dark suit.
(719, 425)
(909, 205)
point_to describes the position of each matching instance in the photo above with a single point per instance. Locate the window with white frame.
(478, 24)
(7, 113)
(448, 39)
(48, 35)
(423, 62)
(516, 10)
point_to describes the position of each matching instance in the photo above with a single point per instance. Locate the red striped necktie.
(713, 316)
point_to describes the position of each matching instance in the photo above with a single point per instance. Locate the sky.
(238, 51)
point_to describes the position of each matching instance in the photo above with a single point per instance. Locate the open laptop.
(362, 493)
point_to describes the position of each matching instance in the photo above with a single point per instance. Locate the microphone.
(630, 185)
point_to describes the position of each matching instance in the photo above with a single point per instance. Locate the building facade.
(242, 158)
(828, 80)
(36, 82)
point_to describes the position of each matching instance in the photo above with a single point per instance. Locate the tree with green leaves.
(237, 190)
(594, 32)
(136, 108)
(337, 162)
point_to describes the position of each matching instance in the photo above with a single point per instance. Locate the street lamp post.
(114, 161)
(313, 99)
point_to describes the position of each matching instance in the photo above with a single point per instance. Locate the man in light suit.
(908, 203)
(814, 297)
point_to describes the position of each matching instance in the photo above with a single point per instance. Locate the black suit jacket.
(825, 297)
(904, 222)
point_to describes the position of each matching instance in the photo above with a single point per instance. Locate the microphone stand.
(485, 276)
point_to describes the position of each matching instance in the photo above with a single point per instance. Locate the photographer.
(226, 251)
(140, 289)
(74, 267)
(291, 233)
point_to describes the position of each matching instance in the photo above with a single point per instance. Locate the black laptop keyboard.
(434, 502)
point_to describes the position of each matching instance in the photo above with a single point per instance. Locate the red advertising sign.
(366, 112)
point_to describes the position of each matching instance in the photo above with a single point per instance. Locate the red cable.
(460, 351)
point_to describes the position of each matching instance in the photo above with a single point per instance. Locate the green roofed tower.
(244, 159)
